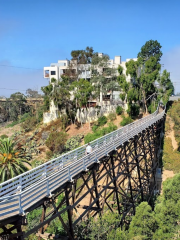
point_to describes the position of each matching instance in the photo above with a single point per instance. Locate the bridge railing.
(29, 187)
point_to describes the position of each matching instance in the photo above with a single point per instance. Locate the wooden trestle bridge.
(119, 173)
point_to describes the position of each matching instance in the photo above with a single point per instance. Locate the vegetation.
(73, 142)
(99, 133)
(160, 224)
(112, 117)
(126, 120)
(56, 142)
(119, 110)
(13, 159)
(102, 121)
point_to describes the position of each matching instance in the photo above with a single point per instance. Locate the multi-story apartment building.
(55, 70)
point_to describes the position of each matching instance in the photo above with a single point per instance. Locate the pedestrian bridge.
(21, 194)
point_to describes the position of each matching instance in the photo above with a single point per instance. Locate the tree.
(103, 78)
(145, 71)
(82, 90)
(13, 159)
(32, 93)
(16, 105)
(143, 224)
(82, 56)
(151, 48)
(129, 89)
(166, 88)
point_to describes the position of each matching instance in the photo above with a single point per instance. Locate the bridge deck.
(22, 192)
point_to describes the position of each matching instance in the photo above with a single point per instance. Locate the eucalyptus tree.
(82, 91)
(103, 78)
(166, 88)
(145, 71)
(16, 105)
(13, 159)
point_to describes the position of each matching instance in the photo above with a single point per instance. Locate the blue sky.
(34, 34)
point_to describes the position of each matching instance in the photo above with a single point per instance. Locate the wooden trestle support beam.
(118, 182)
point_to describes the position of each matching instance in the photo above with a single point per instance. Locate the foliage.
(143, 224)
(82, 90)
(56, 141)
(119, 110)
(174, 113)
(3, 136)
(102, 120)
(83, 56)
(64, 121)
(32, 93)
(29, 124)
(13, 158)
(95, 127)
(126, 120)
(112, 117)
(166, 88)
(103, 78)
(99, 133)
(133, 109)
(73, 142)
(167, 209)
(16, 105)
(99, 229)
(151, 48)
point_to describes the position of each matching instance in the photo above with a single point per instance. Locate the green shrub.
(56, 141)
(3, 136)
(73, 142)
(125, 121)
(94, 128)
(99, 133)
(12, 124)
(133, 110)
(102, 120)
(64, 121)
(119, 110)
(29, 124)
(112, 117)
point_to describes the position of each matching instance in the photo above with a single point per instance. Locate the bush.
(119, 110)
(112, 117)
(12, 124)
(126, 120)
(94, 128)
(3, 136)
(133, 110)
(99, 133)
(29, 124)
(102, 120)
(56, 141)
(64, 121)
(73, 142)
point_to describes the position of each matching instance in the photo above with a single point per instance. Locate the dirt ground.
(10, 131)
(170, 133)
(167, 173)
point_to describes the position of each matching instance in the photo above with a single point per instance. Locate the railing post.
(21, 212)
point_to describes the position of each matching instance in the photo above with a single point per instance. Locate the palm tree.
(13, 159)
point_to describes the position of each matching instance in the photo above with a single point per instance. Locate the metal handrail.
(49, 176)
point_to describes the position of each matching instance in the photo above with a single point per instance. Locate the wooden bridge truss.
(117, 182)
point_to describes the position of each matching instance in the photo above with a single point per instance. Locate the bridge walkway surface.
(20, 193)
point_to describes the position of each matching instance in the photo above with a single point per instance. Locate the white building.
(62, 66)
(56, 70)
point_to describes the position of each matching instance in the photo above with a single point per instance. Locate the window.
(64, 64)
(47, 73)
(53, 72)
